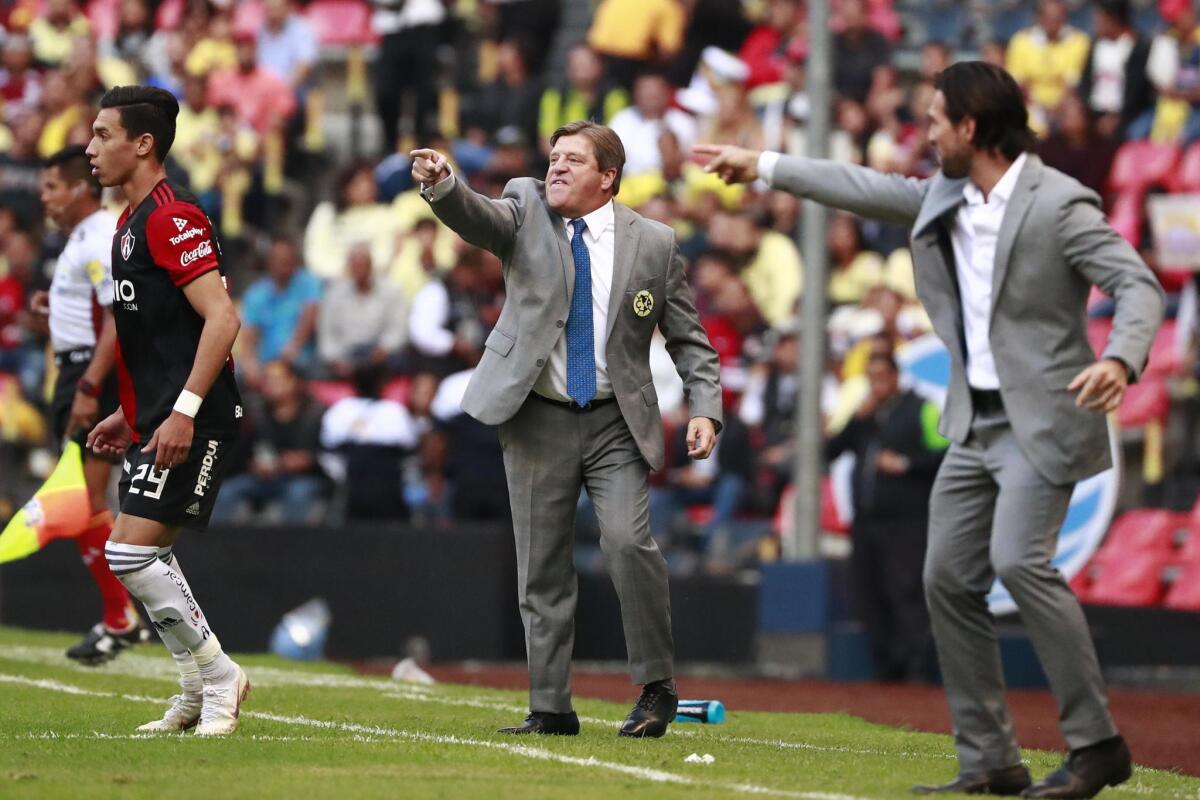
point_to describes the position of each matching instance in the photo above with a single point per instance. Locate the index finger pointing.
(423, 153)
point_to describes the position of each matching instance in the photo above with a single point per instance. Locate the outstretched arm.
(866, 192)
(490, 224)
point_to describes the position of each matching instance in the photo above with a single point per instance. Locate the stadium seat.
(1184, 594)
(1134, 580)
(1164, 352)
(1145, 401)
(1098, 330)
(1140, 164)
(398, 389)
(1125, 216)
(329, 392)
(340, 23)
(1186, 179)
(1140, 531)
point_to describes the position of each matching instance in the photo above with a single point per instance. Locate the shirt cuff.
(766, 165)
(439, 189)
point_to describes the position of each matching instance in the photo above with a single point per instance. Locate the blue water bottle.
(711, 712)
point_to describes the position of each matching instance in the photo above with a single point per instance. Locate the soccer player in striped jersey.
(180, 406)
(82, 332)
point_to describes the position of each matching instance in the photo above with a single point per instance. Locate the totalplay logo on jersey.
(190, 233)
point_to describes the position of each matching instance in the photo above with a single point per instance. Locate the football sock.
(91, 545)
(189, 672)
(162, 589)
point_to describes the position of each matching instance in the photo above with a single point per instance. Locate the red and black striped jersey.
(160, 247)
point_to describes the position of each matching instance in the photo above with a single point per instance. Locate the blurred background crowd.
(363, 316)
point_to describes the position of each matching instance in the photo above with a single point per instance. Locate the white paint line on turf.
(524, 751)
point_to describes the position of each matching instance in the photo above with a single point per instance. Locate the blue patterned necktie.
(581, 354)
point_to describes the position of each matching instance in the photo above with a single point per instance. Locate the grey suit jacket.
(1054, 243)
(539, 279)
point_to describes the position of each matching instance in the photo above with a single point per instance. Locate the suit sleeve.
(695, 359)
(480, 221)
(863, 191)
(1101, 255)
(181, 242)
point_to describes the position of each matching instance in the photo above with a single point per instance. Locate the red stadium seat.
(329, 392)
(1184, 594)
(1187, 174)
(1140, 164)
(1098, 330)
(1125, 216)
(1140, 531)
(1164, 352)
(398, 389)
(1145, 401)
(1135, 580)
(341, 23)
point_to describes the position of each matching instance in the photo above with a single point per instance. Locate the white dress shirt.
(976, 229)
(600, 239)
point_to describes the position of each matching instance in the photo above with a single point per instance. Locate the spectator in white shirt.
(361, 319)
(643, 125)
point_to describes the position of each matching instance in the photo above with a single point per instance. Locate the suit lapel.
(624, 256)
(944, 196)
(559, 227)
(1014, 215)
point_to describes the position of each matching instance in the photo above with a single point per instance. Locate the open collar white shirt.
(974, 237)
(600, 239)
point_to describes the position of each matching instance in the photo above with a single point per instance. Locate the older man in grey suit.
(566, 376)
(1005, 251)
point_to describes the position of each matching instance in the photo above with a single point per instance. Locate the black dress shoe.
(653, 711)
(547, 724)
(1086, 771)
(1009, 781)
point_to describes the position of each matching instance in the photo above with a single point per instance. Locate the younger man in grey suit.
(566, 376)
(1005, 251)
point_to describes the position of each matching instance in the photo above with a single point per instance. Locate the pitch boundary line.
(524, 751)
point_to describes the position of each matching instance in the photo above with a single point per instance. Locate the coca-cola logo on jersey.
(197, 253)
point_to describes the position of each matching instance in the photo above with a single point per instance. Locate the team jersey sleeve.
(181, 241)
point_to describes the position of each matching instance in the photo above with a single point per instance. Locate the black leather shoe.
(653, 711)
(1009, 781)
(547, 724)
(1086, 771)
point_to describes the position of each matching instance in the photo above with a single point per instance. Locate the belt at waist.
(80, 355)
(571, 405)
(987, 401)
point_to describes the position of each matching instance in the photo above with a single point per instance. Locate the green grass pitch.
(319, 731)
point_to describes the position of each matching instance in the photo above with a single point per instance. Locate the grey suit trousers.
(992, 514)
(550, 453)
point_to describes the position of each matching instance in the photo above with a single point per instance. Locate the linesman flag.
(58, 510)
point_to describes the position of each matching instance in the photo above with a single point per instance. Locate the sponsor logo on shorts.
(200, 251)
(206, 467)
(190, 233)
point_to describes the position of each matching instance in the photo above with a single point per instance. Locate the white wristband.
(188, 403)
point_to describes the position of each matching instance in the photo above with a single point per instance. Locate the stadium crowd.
(362, 315)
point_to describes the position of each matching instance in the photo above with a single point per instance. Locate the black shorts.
(71, 366)
(182, 496)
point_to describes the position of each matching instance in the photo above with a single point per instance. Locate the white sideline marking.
(524, 751)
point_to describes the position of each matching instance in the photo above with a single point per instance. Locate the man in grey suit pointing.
(1005, 251)
(566, 376)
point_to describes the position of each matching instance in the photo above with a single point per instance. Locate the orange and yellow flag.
(60, 509)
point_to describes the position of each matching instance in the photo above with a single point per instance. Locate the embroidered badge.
(127, 245)
(643, 303)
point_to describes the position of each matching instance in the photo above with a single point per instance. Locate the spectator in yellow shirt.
(55, 32)
(633, 34)
(772, 271)
(1047, 59)
(855, 271)
(586, 95)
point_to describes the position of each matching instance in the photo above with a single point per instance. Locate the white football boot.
(183, 713)
(222, 703)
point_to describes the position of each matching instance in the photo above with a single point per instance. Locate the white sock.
(189, 673)
(215, 666)
(163, 590)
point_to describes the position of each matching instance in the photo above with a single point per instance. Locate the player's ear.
(145, 145)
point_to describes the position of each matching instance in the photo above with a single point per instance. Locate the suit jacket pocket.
(1058, 379)
(499, 342)
(649, 395)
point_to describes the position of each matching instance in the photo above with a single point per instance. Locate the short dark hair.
(74, 166)
(145, 109)
(610, 152)
(992, 98)
(1118, 10)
